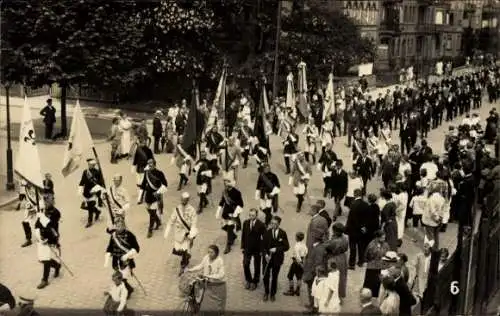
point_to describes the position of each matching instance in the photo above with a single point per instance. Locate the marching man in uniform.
(311, 133)
(122, 248)
(233, 157)
(203, 180)
(325, 165)
(49, 250)
(183, 161)
(290, 147)
(90, 187)
(153, 186)
(301, 173)
(214, 143)
(268, 188)
(230, 208)
(184, 221)
(142, 155)
(245, 135)
(118, 197)
(30, 216)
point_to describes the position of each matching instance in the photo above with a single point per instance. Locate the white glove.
(162, 190)
(107, 255)
(218, 213)
(275, 191)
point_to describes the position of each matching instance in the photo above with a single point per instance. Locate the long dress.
(321, 291)
(126, 128)
(401, 204)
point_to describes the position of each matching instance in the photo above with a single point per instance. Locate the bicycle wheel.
(187, 307)
(199, 292)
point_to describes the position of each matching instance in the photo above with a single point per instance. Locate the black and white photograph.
(226, 157)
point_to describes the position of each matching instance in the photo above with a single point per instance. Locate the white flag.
(79, 142)
(219, 103)
(290, 92)
(28, 159)
(329, 103)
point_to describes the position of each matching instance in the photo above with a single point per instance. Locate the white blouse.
(119, 294)
(211, 269)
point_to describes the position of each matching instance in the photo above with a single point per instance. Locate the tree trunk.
(64, 118)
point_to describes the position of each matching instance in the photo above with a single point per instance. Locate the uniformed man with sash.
(312, 134)
(328, 157)
(290, 147)
(230, 208)
(90, 187)
(141, 157)
(233, 157)
(268, 188)
(49, 250)
(30, 213)
(203, 180)
(301, 173)
(184, 220)
(122, 249)
(214, 144)
(261, 156)
(245, 135)
(118, 196)
(183, 161)
(153, 186)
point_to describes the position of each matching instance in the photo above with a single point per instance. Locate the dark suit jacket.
(325, 215)
(316, 257)
(317, 231)
(281, 244)
(251, 240)
(338, 183)
(157, 127)
(406, 298)
(49, 114)
(364, 167)
(357, 218)
(372, 219)
(371, 310)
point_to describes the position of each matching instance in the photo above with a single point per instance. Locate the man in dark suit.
(404, 135)
(275, 244)
(157, 131)
(251, 245)
(338, 185)
(324, 213)
(49, 118)
(364, 167)
(317, 230)
(356, 228)
(367, 306)
(406, 297)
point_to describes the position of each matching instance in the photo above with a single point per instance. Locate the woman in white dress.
(327, 132)
(401, 199)
(126, 129)
(329, 301)
(384, 141)
(389, 299)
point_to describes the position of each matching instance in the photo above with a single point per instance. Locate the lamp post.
(10, 170)
(276, 51)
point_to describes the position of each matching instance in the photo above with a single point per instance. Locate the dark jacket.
(356, 219)
(157, 127)
(49, 114)
(406, 298)
(252, 240)
(280, 243)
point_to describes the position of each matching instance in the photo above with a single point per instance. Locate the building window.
(439, 18)
(451, 19)
(449, 42)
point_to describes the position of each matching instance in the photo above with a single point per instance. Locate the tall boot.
(157, 221)
(201, 204)
(57, 267)
(90, 217)
(45, 276)
(287, 165)
(152, 221)
(291, 289)
(27, 234)
(300, 201)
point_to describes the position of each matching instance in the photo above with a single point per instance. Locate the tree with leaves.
(92, 42)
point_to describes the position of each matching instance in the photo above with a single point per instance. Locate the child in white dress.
(325, 291)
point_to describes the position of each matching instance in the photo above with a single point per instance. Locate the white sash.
(149, 182)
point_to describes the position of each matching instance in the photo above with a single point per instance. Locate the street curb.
(8, 202)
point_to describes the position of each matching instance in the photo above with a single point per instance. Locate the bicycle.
(192, 303)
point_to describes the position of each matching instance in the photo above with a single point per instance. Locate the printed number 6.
(454, 289)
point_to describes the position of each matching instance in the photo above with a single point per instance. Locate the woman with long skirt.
(374, 253)
(336, 249)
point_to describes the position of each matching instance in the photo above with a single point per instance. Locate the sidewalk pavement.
(6, 197)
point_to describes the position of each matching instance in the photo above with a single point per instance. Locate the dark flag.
(195, 125)
(260, 128)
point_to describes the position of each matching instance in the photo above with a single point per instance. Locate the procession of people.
(420, 188)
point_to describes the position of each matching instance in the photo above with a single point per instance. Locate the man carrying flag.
(90, 188)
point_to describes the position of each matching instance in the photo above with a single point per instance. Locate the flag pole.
(226, 127)
(111, 217)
